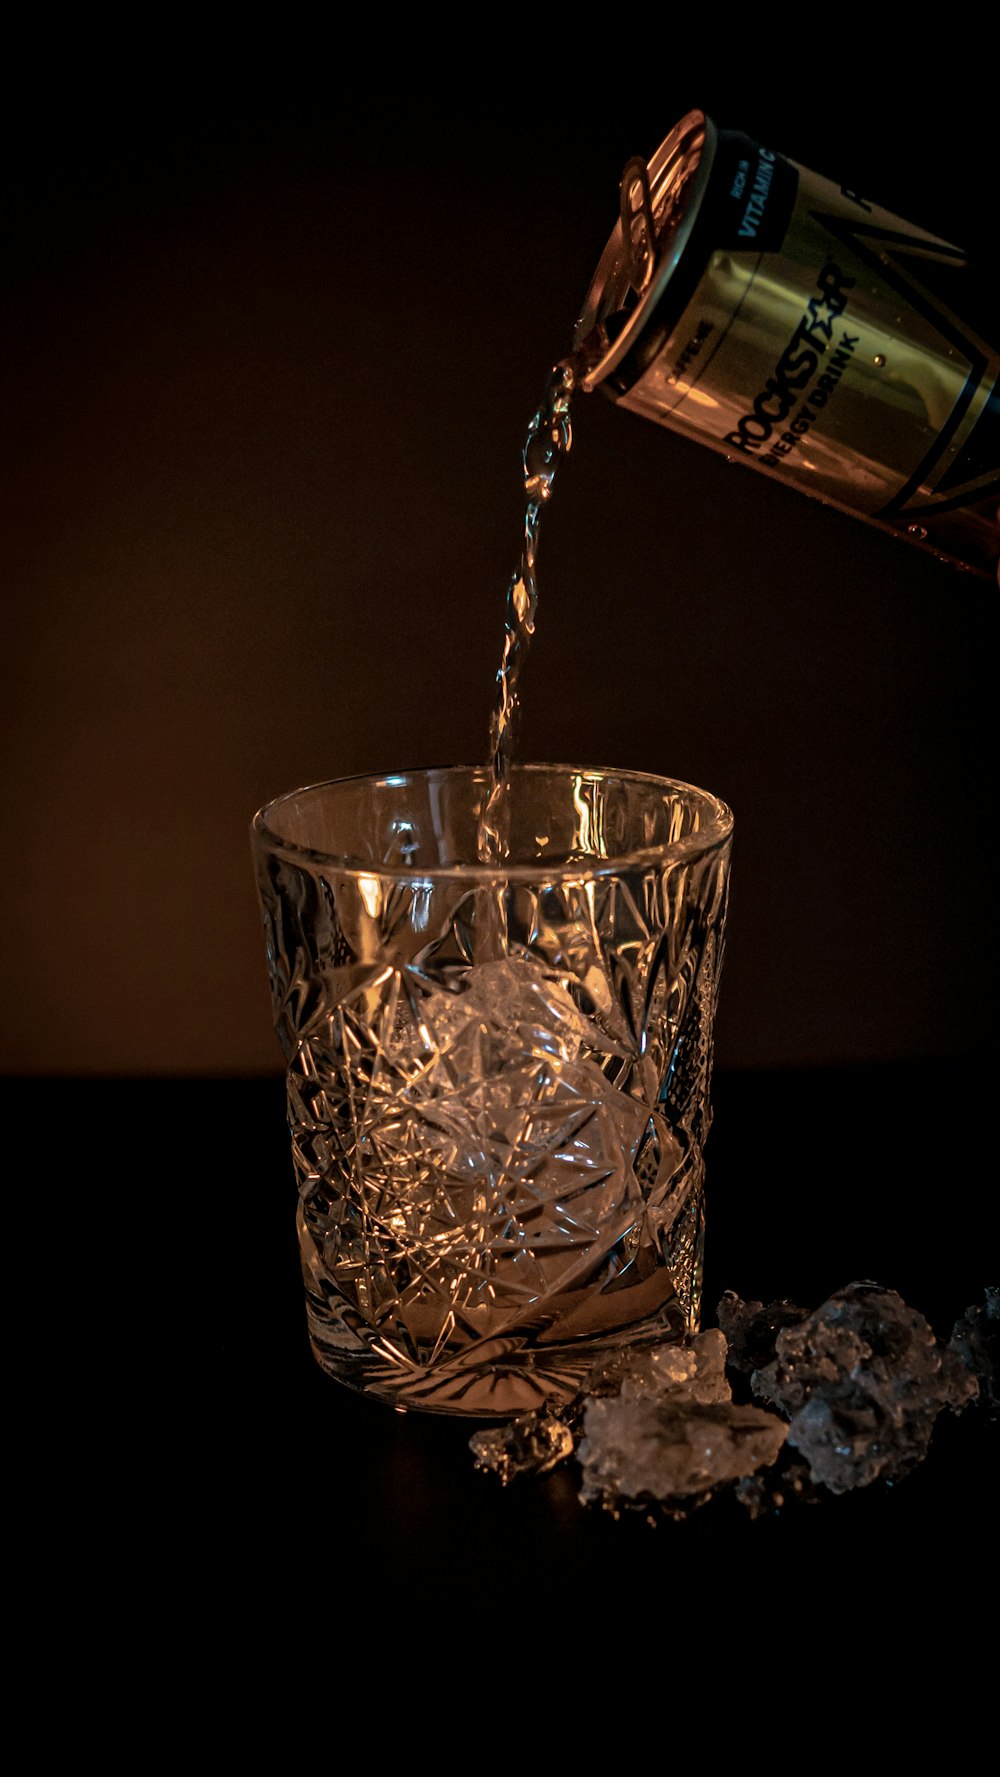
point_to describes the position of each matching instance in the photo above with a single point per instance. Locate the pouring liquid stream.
(548, 441)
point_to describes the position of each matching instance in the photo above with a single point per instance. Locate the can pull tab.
(638, 223)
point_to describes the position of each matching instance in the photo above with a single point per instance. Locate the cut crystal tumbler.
(498, 1075)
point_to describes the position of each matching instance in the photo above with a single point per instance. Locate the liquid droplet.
(916, 531)
(879, 360)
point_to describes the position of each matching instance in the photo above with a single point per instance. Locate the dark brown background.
(276, 335)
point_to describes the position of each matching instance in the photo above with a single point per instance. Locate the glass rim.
(714, 834)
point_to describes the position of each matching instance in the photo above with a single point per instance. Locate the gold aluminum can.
(753, 306)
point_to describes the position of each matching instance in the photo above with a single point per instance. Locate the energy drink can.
(760, 309)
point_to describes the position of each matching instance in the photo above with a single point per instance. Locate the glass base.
(492, 1378)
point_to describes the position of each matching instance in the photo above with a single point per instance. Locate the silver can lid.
(660, 201)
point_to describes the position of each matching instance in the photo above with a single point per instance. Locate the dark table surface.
(252, 1469)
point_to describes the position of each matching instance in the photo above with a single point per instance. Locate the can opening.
(659, 203)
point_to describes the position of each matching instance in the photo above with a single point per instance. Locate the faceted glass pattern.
(497, 1076)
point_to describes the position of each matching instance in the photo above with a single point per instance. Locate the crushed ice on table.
(670, 1434)
(862, 1381)
(529, 1445)
(976, 1340)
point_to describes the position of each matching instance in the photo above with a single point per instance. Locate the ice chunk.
(863, 1380)
(976, 1340)
(751, 1329)
(529, 1445)
(502, 1094)
(694, 1372)
(499, 1164)
(673, 1433)
(669, 1449)
(503, 1010)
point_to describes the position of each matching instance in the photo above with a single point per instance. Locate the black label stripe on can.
(978, 462)
(856, 236)
(969, 496)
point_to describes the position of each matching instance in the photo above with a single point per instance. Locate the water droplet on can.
(916, 531)
(879, 360)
